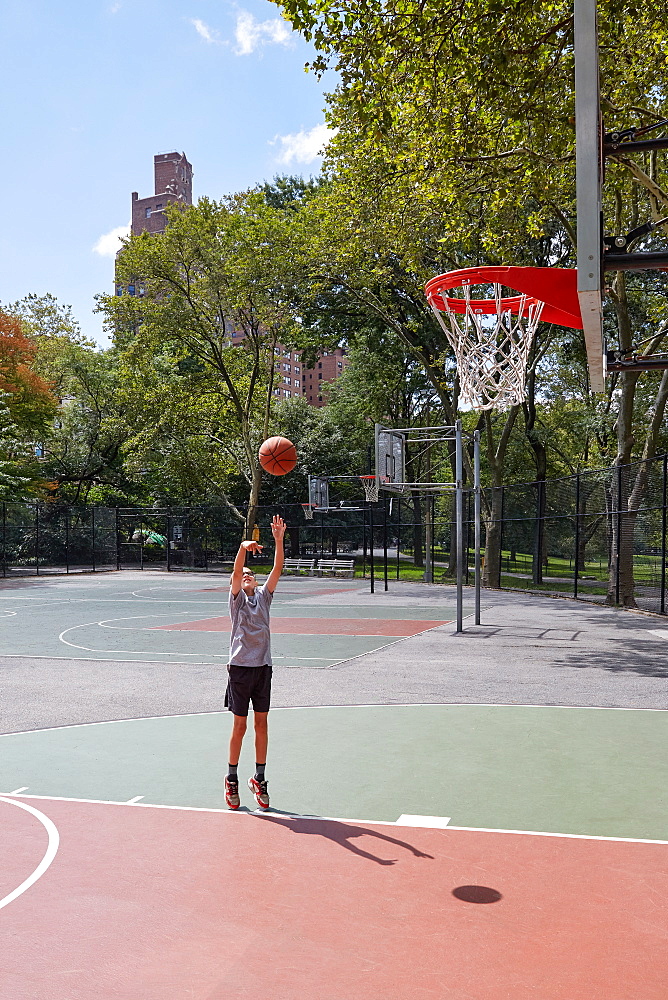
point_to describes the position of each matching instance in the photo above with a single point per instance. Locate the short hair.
(247, 570)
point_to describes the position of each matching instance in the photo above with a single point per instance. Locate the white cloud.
(303, 147)
(205, 32)
(251, 34)
(109, 244)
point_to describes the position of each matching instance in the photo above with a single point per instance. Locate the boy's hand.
(278, 527)
(251, 546)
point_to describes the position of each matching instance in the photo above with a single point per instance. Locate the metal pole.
(476, 487)
(459, 472)
(371, 565)
(385, 541)
(399, 533)
(364, 543)
(428, 550)
(37, 538)
(92, 532)
(67, 540)
(468, 538)
(619, 531)
(576, 574)
(663, 537)
(118, 542)
(433, 535)
(169, 526)
(4, 538)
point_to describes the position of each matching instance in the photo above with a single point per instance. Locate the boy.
(249, 668)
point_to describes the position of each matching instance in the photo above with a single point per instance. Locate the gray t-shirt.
(250, 640)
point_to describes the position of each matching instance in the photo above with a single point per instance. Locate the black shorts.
(245, 685)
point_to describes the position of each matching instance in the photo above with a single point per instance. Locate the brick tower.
(173, 183)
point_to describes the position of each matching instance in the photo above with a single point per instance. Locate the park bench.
(339, 567)
(299, 566)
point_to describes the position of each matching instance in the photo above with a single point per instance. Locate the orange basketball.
(278, 456)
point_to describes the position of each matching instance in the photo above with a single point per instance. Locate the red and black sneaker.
(232, 793)
(259, 790)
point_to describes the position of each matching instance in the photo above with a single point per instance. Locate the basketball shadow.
(339, 833)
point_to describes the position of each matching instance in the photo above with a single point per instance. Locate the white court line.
(662, 633)
(96, 649)
(439, 822)
(104, 624)
(426, 822)
(51, 850)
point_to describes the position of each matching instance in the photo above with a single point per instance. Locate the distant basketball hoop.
(308, 509)
(371, 490)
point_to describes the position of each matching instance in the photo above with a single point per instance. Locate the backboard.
(318, 491)
(390, 458)
(589, 181)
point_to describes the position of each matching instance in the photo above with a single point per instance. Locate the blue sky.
(92, 90)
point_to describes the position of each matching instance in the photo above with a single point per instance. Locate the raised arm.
(278, 531)
(240, 562)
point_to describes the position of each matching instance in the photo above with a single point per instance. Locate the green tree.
(220, 269)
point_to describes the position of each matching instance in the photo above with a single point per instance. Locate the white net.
(371, 492)
(492, 350)
(308, 511)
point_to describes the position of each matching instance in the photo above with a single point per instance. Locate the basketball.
(278, 456)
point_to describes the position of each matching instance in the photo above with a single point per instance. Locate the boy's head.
(248, 581)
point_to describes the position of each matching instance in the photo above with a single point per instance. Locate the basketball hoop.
(492, 337)
(371, 490)
(308, 509)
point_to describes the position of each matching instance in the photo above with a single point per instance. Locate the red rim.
(556, 287)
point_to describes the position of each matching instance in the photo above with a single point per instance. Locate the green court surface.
(587, 772)
(111, 619)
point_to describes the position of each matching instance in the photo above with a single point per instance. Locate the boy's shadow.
(339, 833)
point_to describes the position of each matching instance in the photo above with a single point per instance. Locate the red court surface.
(316, 626)
(163, 904)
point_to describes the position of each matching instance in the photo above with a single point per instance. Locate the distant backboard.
(589, 180)
(318, 491)
(390, 458)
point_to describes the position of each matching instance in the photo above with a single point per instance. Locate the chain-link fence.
(599, 535)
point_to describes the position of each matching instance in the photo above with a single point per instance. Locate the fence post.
(168, 542)
(67, 540)
(663, 537)
(476, 514)
(619, 531)
(503, 521)
(372, 570)
(37, 539)
(4, 538)
(118, 540)
(459, 498)
(92, 533)
(577, 536)
(399, 533)
(385, 540)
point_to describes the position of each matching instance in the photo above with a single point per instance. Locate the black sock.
(259, 771)
(232, 772)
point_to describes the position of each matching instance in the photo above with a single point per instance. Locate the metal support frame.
(663, 535)
(619, 531)
(576, 567)
(432, 435)
(476, 520)
(459, 487)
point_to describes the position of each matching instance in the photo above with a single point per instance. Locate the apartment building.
(173, 176)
